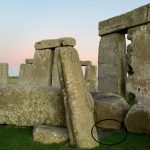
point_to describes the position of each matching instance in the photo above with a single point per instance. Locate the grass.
(12, 138)
(130, 102)
(12, 80)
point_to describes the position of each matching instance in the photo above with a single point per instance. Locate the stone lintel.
(53, 43)
(29, 61)
(122, 22)
(85, 63)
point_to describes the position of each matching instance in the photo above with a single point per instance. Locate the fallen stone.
(77, 100)
(26, 106)
(53, 43)
(3, 73)
(138, 118)
(130, 19)
(29, 61)
(50, 135)
(91, 77)
(109, 106)
(85, 63)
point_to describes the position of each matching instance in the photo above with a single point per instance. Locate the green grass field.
(12, 138)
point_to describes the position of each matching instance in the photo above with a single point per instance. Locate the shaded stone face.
(38, 73)
(55, 73)
(3, 73)
(78, 103)
(112, 64)
(53, 43)
(31, 106)
(50, 135)
(138, 82)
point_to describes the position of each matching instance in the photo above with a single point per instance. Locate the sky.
(24, 22)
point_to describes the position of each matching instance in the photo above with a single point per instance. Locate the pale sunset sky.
(23, 22)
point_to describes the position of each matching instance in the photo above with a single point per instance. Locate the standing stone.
(38, 73)
(77, 98)
(50, 135)
(25, 74)
(55, 74)
(138, 82)
(3, 73)
(91, 77)
(111, 64)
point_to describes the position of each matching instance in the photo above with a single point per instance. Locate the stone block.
(38, 73)
(25, 74)
(107, 69)
(78, 103)
(29, 61)
(3, 73)
(108, 84)
(27, 106)
(110, 106)
(138, 118)
(53, 43)
(130, 19)
(138, 82)
(85, 63)
(112, 55)
(91, 77)
(50, 135)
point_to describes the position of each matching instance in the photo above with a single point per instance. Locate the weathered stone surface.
(112, 64)
(91, 77)
(109, 106)
(29, 61)
(85, 63)
(31, 106)
(3, 73)
(138, 118)
(138, 82)
(130, 19)
(55, 73)
(77, 101)
(38, 73)
(53, 43)
(50, 135)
